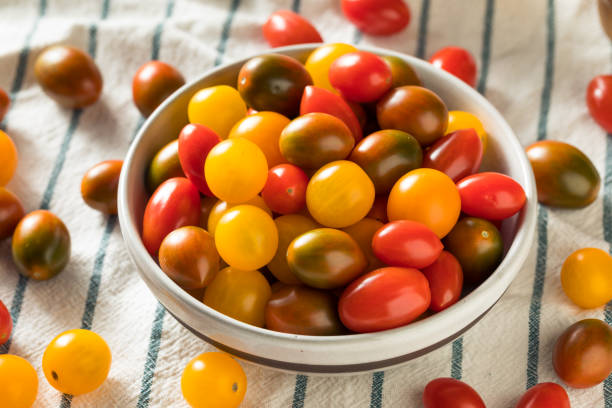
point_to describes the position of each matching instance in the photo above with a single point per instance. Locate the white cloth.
(494, 352)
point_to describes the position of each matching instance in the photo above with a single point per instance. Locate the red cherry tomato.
(457, 155)
(194, 143)
(445, 279)
(383, 299)
(457, 61)
(489, 195)
(175, 204)
(6, 324)
(316, 99)
(406, 243)
(599, 101)
(360, 76)
(284, 27)
(285, 189)
(5, 102)
(377, 17)
(448, 392)
(545, 395)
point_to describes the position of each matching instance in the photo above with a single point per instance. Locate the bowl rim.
(469, 305)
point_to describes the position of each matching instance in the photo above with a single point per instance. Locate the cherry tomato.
(386, 156)
(153, 83)
(565, 177)
(246, 237)
(76, 361)
(285, 189)
(427, 196)
(325, 258)
(457, 155)
(401, 72)
(445, 279)
(69, 76)
(99, 186)
(11, 212)
(284, 27)
(384, 299)
(236, 170)
(315, 139)
(239, 294)
(5, 102)
(377, 17)
(217, 107)
(448, 392)
(582, 356)
(289, 227)
(321, 100)
(414, 110)
(194, 143)
(213, 379)
(544, 395)
(379, 209)
(175, 204)
(303, 310)
(477, 245)
(320, 60)
(273, 82)
(406, 243)
(458, 120)
(18, 382)
(490, 195)
(165, 165)
(41, 245)
(220, 207)
(8, 158)
(586, 277)
(263, 129)
(599, 100)
(457, 61)
(363, 232)
(360, 76)
(6, 324)
(339, 194)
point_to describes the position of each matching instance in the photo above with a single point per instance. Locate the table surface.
(535, 60)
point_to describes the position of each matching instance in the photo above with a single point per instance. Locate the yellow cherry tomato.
(363, 232)
(246, 237)
(586, 277)
(8, 158)
(458, 120)
(339, 194)
(289, 227)
(213, 380)
(218, 107)
(76, 362)
(320, 60)
(18, 382)
(242, 295)
(263, 129)
(427, 196)
(236, 170)
(221, 206)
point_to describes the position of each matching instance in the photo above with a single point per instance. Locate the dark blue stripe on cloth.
(66, 401)
(423, 22)
(378, 379)
(295, 6)
(299, 393)
(227, 25)
(607, 226)
(152, 353)
(159, 29)
(457, 359)
(357, 36)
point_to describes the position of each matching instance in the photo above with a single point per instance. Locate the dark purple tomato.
(164, 166)
(194, 143)
(99, 186)
(153, 83)
(599, 100)
(406, 243)
(379, 210)
(377, 17)
(175, 204)
(41, 245)
(445, 279)
(285, 189)
(490, 195)
(544, 395)
(448, 392)
(326, 258)
(5, 102)
(11, 212)
(284, 27)
(384, 299)
(360, 76)
(402, 73)
(6, 324)
(303, 310)
(315, 139)
(458, 154)
(457, 61)
(565, 177)
(414, 110)
(273, 82)
(386, 156)
(69, 76)
(477, 244)
(189, 257)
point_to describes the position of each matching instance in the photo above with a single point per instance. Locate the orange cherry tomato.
(218, 107)
(18, 382)
(8, 158)
(220, 207)
(263, 129)
(586, 277)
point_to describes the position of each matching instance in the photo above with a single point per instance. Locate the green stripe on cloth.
(159, 28)
(423, 22)
(378, 379)
(457, 359)
(227, 25)
(299, 393)
(295, 6)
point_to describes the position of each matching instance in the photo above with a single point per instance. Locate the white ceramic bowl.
(328, 354)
